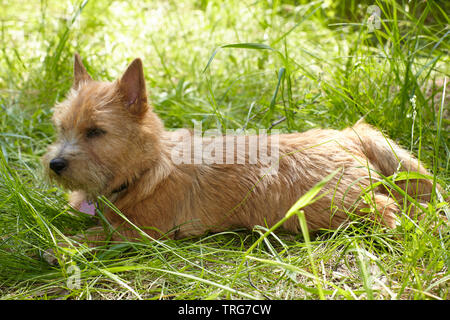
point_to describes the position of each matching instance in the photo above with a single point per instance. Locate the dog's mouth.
(93, 186)
(93, 190)
(76, 174)
(94, 178)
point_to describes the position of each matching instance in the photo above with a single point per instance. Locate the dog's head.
(107, 133)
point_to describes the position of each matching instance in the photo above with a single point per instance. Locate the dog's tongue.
(88, 208)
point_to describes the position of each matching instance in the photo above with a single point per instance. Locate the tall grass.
(289, 65)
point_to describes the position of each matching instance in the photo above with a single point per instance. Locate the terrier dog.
(111, 143)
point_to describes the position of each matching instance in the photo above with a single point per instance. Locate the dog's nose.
(58, 165)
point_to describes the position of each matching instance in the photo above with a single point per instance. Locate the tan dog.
(112, 144)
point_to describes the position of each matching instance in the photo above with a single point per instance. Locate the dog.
(111, 143)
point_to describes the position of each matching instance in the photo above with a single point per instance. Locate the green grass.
(288, 65)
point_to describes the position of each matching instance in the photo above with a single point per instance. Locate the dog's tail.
(388, 158)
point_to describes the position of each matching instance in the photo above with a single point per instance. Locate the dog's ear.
(132, 88)
(79, 72)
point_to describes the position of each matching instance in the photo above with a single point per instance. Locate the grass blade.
(253, 46)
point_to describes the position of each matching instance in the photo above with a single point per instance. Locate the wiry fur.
(190, 199)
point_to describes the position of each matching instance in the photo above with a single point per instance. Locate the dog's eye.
(94, 132)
